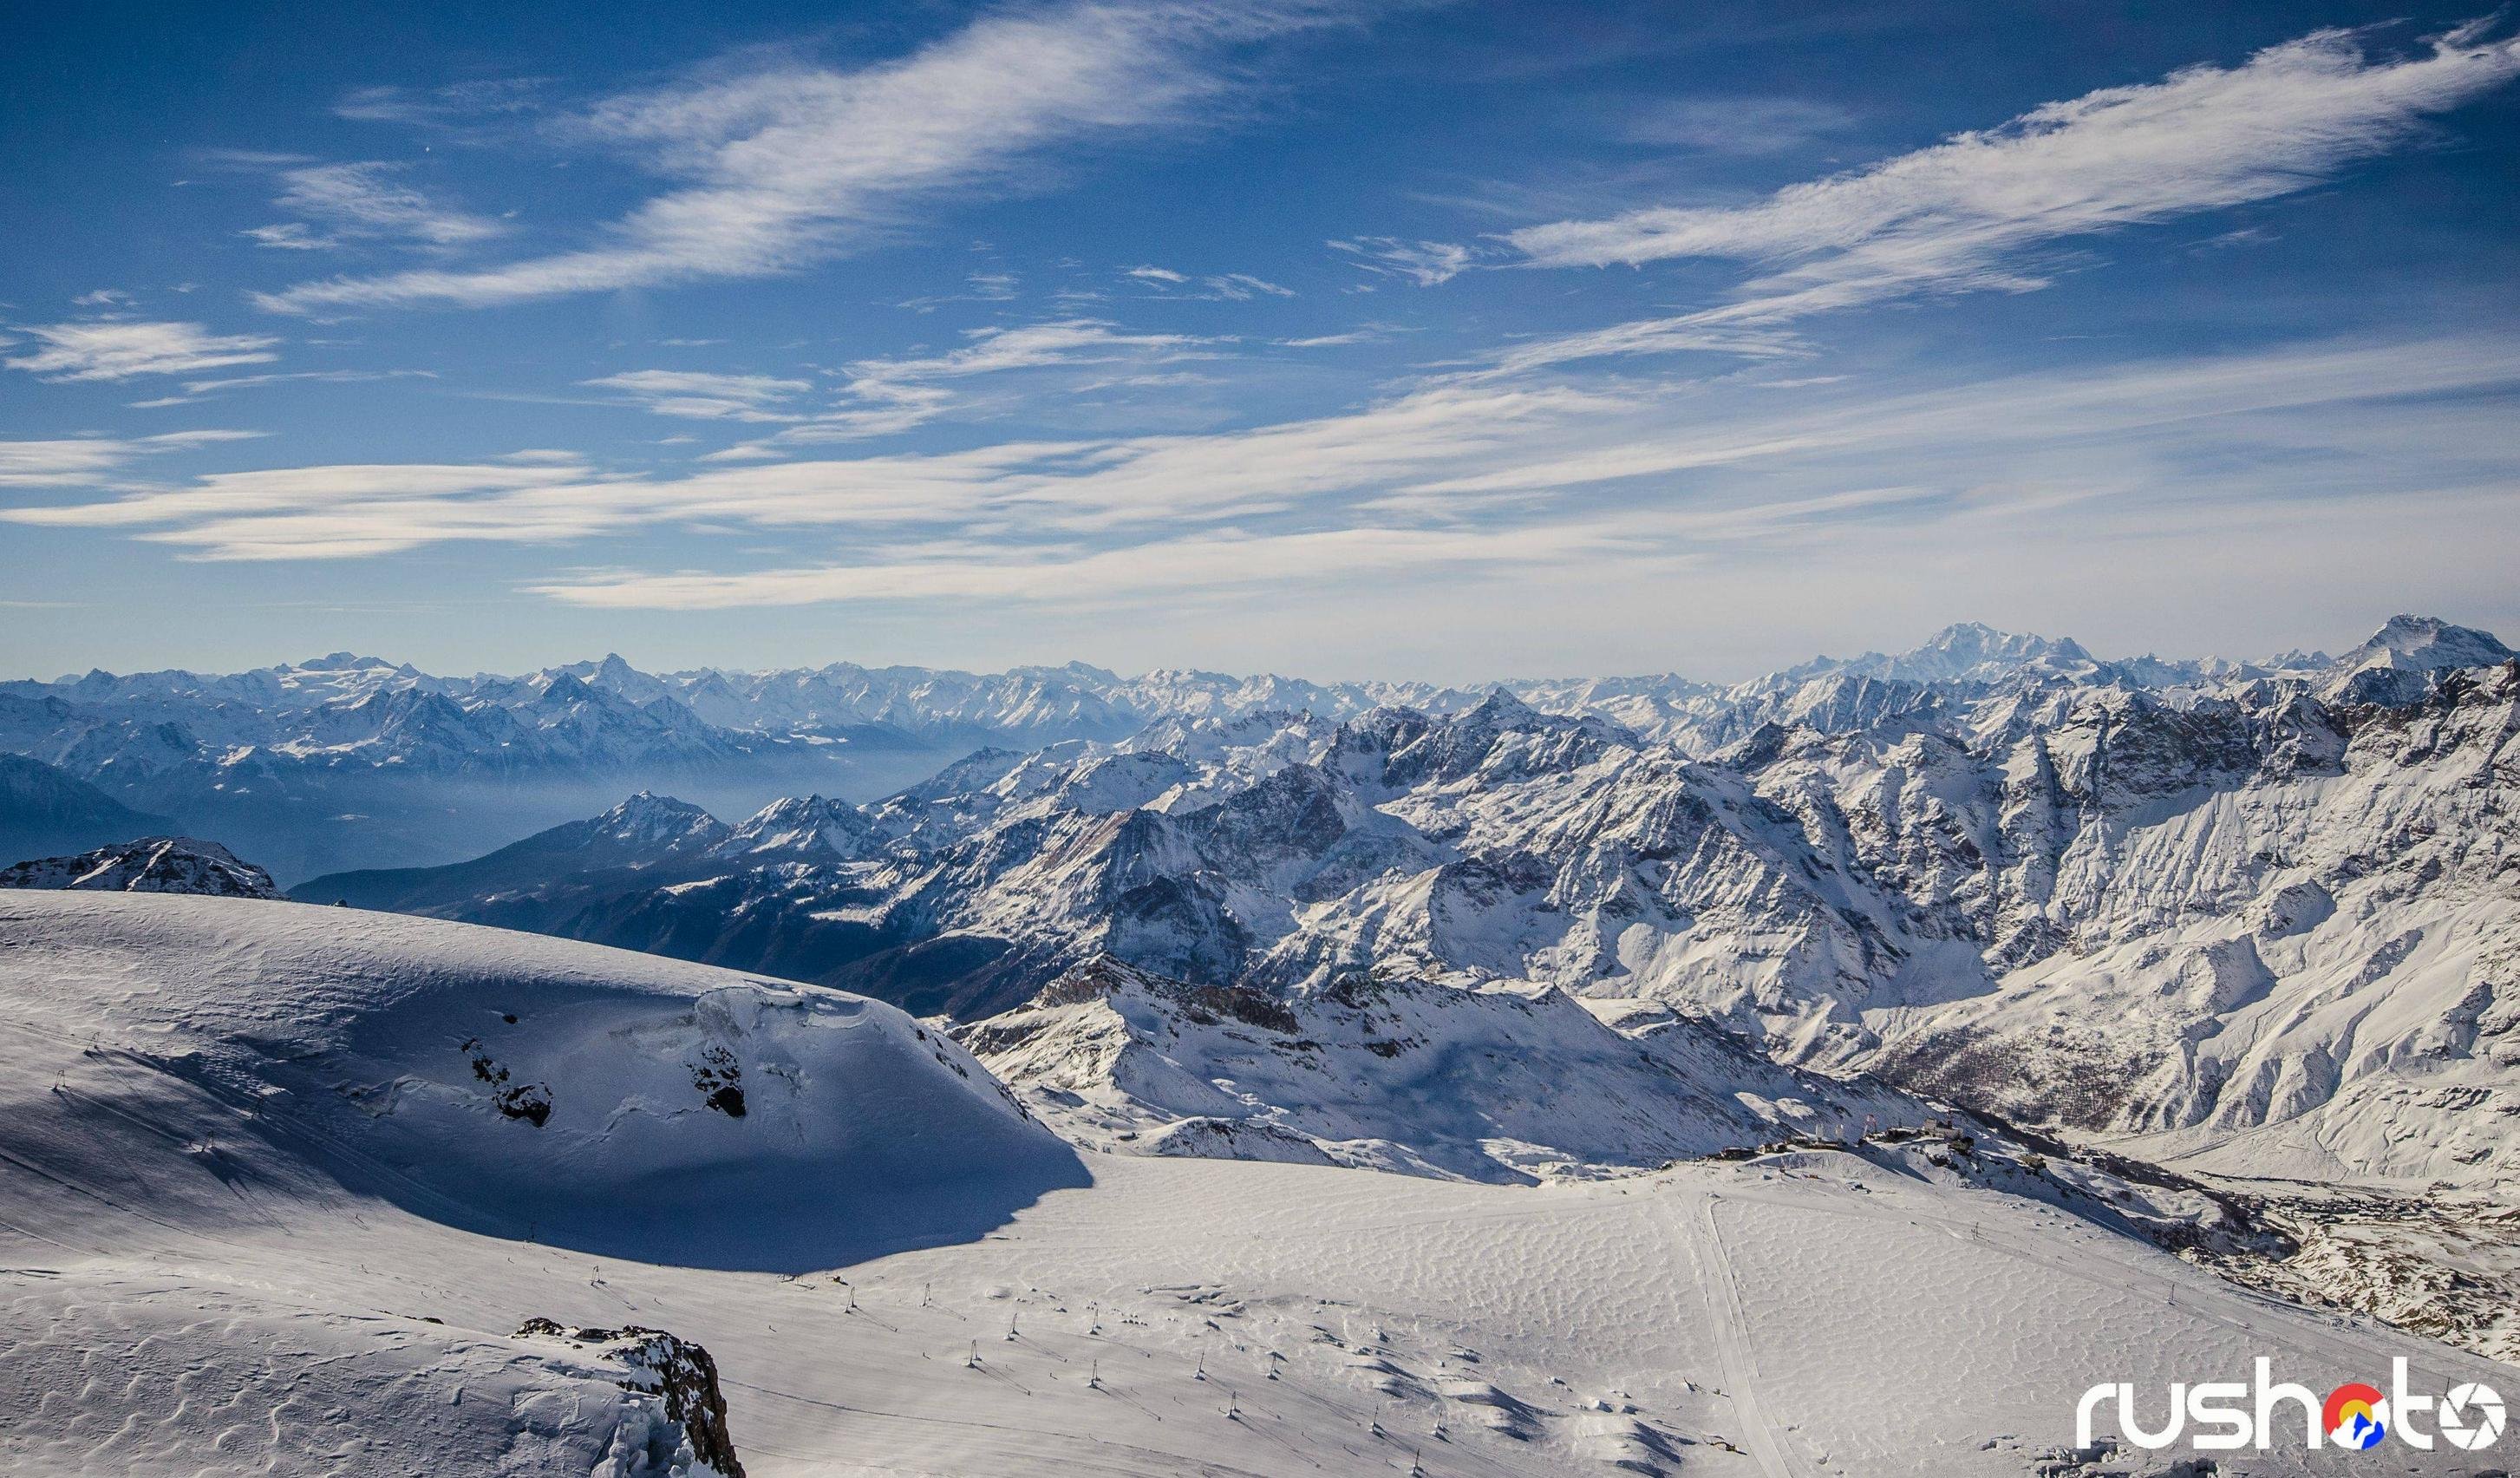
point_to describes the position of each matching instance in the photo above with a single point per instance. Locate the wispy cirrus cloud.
(1423, 263)
(1024, 489)
(118, 349)
(366, 202)
(787, 165)
(697, 394)
(194, 390)
(1680, 469)
(1973, 211)
(455, 107)
(889, 396)
(89, 460)
(1734, 125)
(1201, 564)
(1219, 287)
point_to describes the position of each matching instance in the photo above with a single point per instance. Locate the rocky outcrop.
(151, 864)
(678, 1375)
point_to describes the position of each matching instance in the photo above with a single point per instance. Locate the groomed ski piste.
(280, 1185)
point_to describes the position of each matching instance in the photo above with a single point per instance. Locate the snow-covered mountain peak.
(151, 864)
(812, 828)
(1963, 652)
(648, 819)
(2406, 658)
(2426, 643)
(337, 661)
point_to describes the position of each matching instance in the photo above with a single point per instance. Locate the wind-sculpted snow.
(1482, 1083)
(263, 1207)
(115, 1373)
(533, 1087)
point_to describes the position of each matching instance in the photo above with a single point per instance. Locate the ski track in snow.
(1733, 1341)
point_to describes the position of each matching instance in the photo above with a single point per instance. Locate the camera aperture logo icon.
(2471, 1417)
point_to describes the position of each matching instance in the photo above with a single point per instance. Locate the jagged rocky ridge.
(2265, 910)
(151, 864)
(351, 762)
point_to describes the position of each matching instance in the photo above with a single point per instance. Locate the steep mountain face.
(2315, 957)
(47, 811)
(1497, 1083)
(151, 864)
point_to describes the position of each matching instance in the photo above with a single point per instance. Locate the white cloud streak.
(88, 461)
(194, 390)
(698, 396)
(891, 395)
(1971, 212)
(118, 349)
(1446, 463)
(364, 201)
(788, 165)
(1424, 264)
(1196, 565)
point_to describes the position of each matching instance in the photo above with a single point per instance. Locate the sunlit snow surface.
(258, 1211)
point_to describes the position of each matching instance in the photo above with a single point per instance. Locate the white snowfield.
(275, 1197)
(1497, 1081)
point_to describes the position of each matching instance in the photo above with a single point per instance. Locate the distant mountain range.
(2255, 918)
(349, 761)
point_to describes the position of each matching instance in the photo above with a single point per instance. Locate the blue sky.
(1320, 335)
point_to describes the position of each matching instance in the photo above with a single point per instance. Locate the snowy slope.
(132, 1373)
(185, 1260)
(520, 1085)
(1496, 1082)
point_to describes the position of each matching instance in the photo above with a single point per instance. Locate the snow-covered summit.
(151, 864)
(648, 821)
(2426, 643)
(812, 828)
(2401, 661)
(1965, 652)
